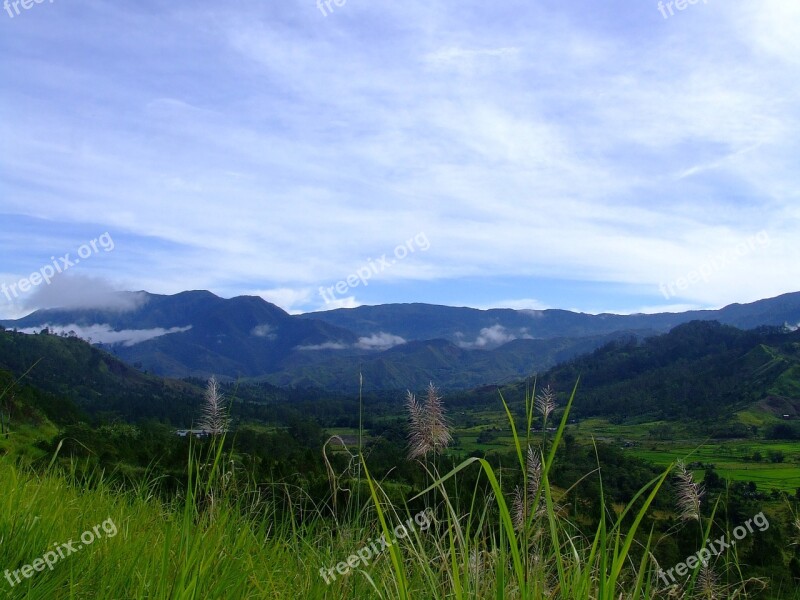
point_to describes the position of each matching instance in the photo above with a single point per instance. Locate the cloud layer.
(83, 292)
(494, 336)
(579, 153)
(104, 334)
(377, 341)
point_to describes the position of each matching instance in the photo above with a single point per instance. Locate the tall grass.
(477, 556)
(226, 537)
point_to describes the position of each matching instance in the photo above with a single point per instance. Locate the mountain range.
(395, 346)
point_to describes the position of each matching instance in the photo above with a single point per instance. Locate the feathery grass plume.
(689, 494)
(546, 402)
(477, 562)
(429, 430)
(521, 504)
(215, 416)
(534, 465)
(519, 509)
(416, 439)
(480, 568)
(707, 585)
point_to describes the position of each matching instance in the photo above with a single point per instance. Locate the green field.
(732, 459)
(729, 460)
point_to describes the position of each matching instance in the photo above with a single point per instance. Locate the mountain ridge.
(197, 333)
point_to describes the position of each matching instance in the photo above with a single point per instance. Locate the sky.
(617, 156)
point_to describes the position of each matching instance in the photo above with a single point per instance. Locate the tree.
(5, 416)
(776, 456)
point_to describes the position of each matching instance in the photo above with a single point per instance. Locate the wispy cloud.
(494, 336)
(465, 58)
(324, 346)
(535, 142)
(104, 334)
(379, 341)
(264, 331)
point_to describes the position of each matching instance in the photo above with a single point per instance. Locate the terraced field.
(732, 459)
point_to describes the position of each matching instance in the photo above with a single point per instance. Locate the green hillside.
(700, 372)
(68, 369)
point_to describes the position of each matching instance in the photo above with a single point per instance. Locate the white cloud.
(496, 335)
(324, 346)
(772, 27)
(662, 308)
(466, 58)
(348, 302)
(530, 143)
(104, 334)
(264, 331)
(83, 292)
(379, 341)
(289, 299)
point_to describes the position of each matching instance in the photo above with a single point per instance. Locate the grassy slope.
(228, 550)
(154, 554)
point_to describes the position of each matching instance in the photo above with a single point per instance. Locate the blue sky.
(578, 155)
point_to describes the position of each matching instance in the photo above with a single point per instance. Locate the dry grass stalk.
(689, 494)
(521, 504)
(215, 415)
(546, 402)
(429, 431)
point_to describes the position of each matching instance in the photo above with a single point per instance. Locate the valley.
(723, 401)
